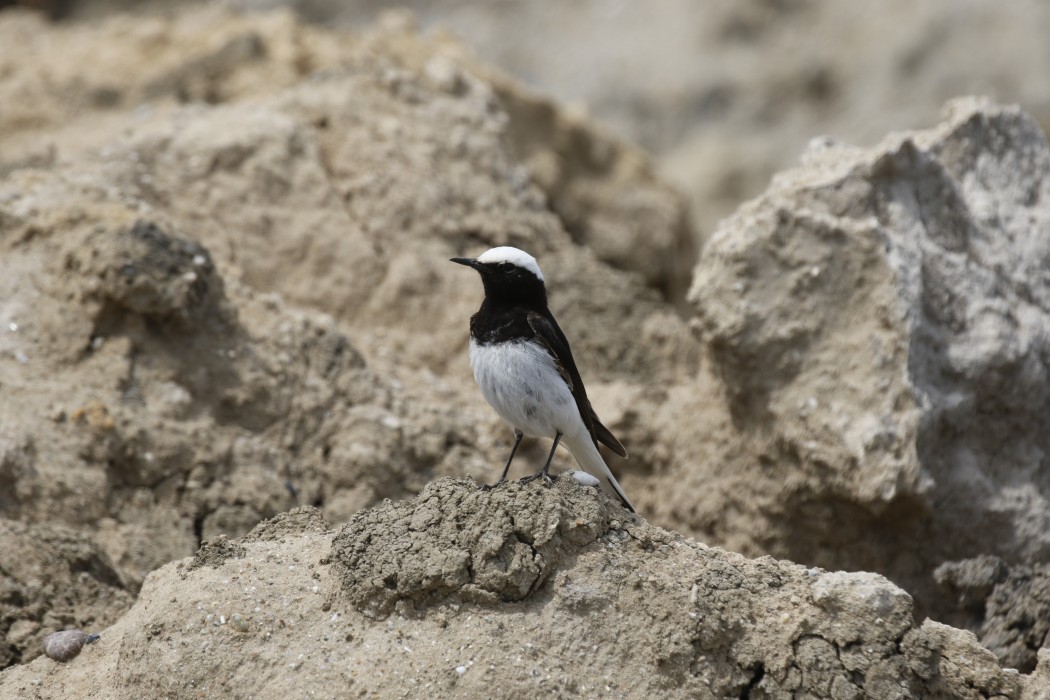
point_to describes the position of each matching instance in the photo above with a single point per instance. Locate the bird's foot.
(547, 478)
(489, 487)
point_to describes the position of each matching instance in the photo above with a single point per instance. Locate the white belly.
(521, 381)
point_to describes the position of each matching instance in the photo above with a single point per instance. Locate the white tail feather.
(590, 459)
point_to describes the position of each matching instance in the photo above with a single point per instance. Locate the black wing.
(548, 333)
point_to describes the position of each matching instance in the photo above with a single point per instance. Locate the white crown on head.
(514, 256)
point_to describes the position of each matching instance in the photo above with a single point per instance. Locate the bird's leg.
(518, 435)
(542, 474)
(547, 466)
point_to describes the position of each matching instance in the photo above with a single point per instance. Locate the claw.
(547, 478)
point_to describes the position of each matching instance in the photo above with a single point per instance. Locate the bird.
(523, 365)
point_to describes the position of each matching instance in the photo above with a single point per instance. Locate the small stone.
(65, 645)
(238, 623)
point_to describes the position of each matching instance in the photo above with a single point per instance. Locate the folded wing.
(552, 338)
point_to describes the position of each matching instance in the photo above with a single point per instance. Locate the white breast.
(520, 380)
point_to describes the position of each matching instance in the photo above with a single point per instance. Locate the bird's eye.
(506, 267)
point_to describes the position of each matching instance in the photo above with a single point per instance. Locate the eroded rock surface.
(599, 605)
(876, 320)
(426, 550)
(1008, 607)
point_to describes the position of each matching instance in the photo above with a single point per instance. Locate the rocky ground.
(521, 592)
(225, 295)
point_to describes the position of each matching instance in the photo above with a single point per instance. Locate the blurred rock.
(723, 94)
(428, 88)
(877, 321)
(603, 190)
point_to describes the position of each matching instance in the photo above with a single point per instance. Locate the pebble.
(65, 645)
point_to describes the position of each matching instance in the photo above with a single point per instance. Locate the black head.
(510, 276)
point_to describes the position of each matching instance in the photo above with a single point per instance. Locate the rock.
(953, 665)
(971, 581)
(484, 611)
(224, 303)
(724, 94)
(216, 552)
(876, 322)
(293, 522)
(602, 188)
(1038, 686)
(66, 645)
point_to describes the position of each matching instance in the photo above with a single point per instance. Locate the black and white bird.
(523, 364)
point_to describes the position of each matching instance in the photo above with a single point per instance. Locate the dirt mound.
(599, 604)
(726, 93)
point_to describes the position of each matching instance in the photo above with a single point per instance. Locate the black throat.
(503, 315)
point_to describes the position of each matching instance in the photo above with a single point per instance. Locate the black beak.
(469, 262)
